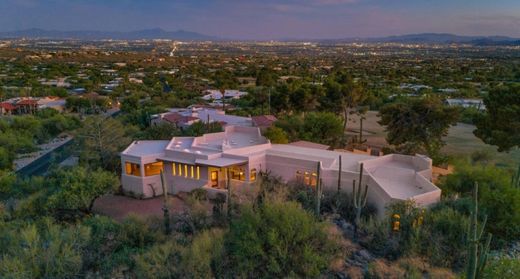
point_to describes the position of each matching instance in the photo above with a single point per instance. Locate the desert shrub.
(199, 260)
(113, 243)
(199, 194)
(379, 239)
(498, 199)
(443, 237)
(173, 259)
(438, 234)
(504, 268)
(406, 268)
(277, 239)
(341, 203)
(42, 250)
(160, 261)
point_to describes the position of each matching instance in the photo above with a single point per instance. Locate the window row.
(149, 169)
(185, 170)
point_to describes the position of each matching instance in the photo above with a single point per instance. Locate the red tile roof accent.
(176, 118)
(263, 120)
(27, 102)
(7, 106)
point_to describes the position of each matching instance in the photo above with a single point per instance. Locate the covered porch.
(224, 170)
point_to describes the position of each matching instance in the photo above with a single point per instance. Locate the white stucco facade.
(204, 162)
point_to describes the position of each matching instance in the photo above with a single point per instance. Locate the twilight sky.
(269, 19)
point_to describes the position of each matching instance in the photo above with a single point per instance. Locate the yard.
(119, 207)
(460, 139)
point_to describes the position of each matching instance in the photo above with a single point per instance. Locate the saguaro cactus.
(166, 211)
(515, 180)
(339, 174)
(319, 190)
(477, 253)
(359, 198)
(228, 186)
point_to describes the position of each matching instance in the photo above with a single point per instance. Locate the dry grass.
(459, 141)
(412, 267)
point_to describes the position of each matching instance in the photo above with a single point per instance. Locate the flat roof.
(329, 159)
(146, 147)
(397, 180)
(309, 144)
(220, 162)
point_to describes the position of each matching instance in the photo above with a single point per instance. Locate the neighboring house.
(30, 105)
(174, 118)
(214, 94)
(263, 121)
(184, 117)
(26, 106)
(308, 144)
(242, 152)
(7, 108)
(51, 102)
(466, 103)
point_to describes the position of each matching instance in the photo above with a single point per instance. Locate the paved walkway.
(119, 207)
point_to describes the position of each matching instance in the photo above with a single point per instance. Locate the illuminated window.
(153, 168)
(174, 170)
(238, 173)
(180, 169)
(132, 169)
(192, 172)
(185, 170)
(252, 175)
(314, 179)
(198, 172)
(306, 178)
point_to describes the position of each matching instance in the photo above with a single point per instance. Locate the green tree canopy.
(417, 125)
(500, 125)
(78, 188)
(276, 135)
(277, 240)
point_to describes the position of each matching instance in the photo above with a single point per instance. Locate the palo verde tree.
(418, 125)
(77, 189)
(101, 139)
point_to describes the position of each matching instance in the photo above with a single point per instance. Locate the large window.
(238, 173)
(308, 178)
(132, 169)
(252, 175)
(153, 168)
(186, 171)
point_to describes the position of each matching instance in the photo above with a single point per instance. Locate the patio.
(119, 207)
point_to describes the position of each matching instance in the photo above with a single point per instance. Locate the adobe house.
(203, 162)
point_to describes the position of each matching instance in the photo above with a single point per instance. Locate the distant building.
(185, 117)
(7, 108)
(263, 121)
(448, 90)
(466, 103)
(308, 144)
(414, 87)
(213, 94)
(61, 82)
(30, 105)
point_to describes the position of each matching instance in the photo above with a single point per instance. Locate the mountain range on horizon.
(158, 33)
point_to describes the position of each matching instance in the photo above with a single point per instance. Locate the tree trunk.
(345, 118)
